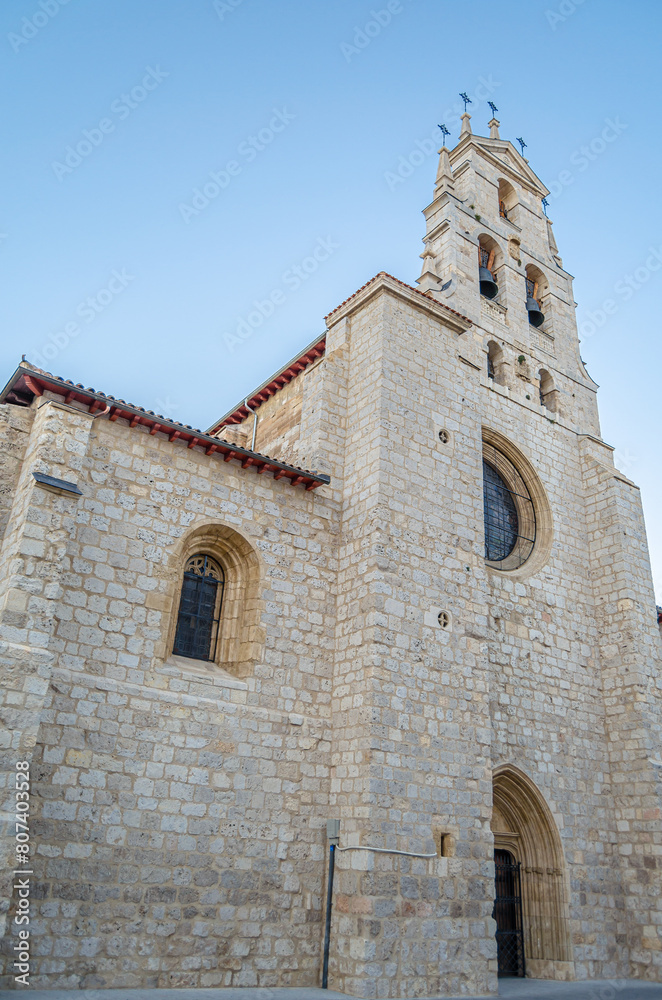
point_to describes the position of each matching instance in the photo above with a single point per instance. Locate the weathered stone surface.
(180, 807)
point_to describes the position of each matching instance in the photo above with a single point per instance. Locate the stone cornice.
(384, 282)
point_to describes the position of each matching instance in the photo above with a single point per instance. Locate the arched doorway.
(525, 831)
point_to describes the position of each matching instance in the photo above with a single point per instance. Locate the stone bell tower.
(489, 246)
(490, 253)
(497, 668)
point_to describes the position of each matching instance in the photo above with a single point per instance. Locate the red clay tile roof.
(29, 381)
(273, 385)
(307, 356)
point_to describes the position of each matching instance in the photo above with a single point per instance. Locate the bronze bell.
(488, 286)
(536, 318)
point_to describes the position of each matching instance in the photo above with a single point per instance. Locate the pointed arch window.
(199, 608)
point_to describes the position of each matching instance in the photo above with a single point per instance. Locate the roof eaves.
(277, 381)
(29, 380)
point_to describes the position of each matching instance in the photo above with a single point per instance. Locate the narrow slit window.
(494, 362)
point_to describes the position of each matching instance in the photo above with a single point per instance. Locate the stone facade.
(371, 667)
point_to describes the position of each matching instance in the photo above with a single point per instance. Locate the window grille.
(510, 521)
(199, 608)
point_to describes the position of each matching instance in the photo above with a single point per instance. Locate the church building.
(361, 685)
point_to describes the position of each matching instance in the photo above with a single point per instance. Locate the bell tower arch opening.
(523, 826)
(508, 201)
(537, 295)
(490, 258)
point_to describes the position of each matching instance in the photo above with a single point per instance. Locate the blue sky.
(302, 110)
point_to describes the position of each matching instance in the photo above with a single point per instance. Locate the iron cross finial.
(493, 107)
(444, 132)
(466, 99)
(522, 144)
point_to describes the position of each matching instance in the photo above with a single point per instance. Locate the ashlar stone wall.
(372, 669)
(278, 422)
(178, 809)
(411, 722)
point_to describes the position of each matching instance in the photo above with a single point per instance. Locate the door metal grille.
(508, 915)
